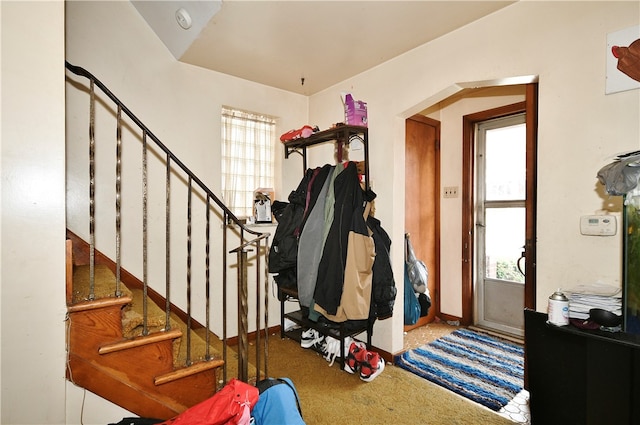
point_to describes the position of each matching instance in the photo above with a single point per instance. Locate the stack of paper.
(583, 298)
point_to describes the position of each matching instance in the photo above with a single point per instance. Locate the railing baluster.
(189, 272)
(167, 212)
(225, 231)
(258, 309)
(145, 283)
(207, 282)
(243, 313)
(266, 307)
(92, 191)
(118, 195)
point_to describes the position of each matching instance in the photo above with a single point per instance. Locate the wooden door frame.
(530, 107)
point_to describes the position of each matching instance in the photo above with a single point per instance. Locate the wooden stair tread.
(139, 341)
(183, 372)
(98, 303)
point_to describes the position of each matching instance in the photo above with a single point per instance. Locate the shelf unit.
(339, 331)
(341, 135)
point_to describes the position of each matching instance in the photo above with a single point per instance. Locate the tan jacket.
(356, 292)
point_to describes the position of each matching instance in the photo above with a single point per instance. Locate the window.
(248, 143)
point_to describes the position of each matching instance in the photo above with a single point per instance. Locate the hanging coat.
(310, 246)
(283, 254)
(355, 302)
(349, 200)
(384, 286)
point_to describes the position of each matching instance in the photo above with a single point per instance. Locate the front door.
(499, 200)
(500, 164)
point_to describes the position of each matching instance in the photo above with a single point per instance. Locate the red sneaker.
(371, 366)
(355, 356)
(303, 132)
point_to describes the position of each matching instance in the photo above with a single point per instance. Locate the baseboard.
(508, 337)
(421, 322)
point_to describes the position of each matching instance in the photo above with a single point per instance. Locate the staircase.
(144, 348)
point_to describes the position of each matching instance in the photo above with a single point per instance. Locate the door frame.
(530, 107)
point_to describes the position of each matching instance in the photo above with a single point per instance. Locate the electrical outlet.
(450, 192)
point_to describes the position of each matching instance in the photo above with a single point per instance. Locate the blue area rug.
(481, 368)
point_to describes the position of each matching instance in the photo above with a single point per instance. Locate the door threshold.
(509, 337)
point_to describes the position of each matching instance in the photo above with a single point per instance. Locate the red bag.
(230, 406)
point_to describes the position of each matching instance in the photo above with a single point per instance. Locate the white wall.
(564, 43)
(33, 248)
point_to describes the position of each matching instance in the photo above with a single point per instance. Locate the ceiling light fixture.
(183, 18)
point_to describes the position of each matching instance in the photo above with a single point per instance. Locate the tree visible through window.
(248, 143)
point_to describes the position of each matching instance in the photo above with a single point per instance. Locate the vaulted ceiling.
(303, 46)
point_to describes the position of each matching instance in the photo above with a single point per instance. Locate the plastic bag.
(416, 269)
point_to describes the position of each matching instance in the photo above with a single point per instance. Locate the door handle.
(522, 257)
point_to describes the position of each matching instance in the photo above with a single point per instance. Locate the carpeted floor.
(331, 396)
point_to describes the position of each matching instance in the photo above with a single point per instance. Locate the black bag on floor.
(425, 304)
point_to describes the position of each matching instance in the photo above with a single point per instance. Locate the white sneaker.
(331, 349)
(310, 338)
(290, 325)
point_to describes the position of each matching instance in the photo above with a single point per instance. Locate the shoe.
(319, 343)
(331, 349)
(371, 366)
(290, 325)
(303, 132)
(355, 356)
(308, 338)
(311, 338)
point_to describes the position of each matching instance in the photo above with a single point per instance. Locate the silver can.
(558, 309)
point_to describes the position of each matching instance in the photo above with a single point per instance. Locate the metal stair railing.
(249, 240)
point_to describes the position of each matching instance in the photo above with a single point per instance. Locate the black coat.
(283, 254)
(349, 199)
(384, 290)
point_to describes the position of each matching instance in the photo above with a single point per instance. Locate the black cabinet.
(581, 377)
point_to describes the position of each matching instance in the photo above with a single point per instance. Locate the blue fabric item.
(411, 304)
(278, 404)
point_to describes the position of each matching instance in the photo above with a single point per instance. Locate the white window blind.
(248, 144)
